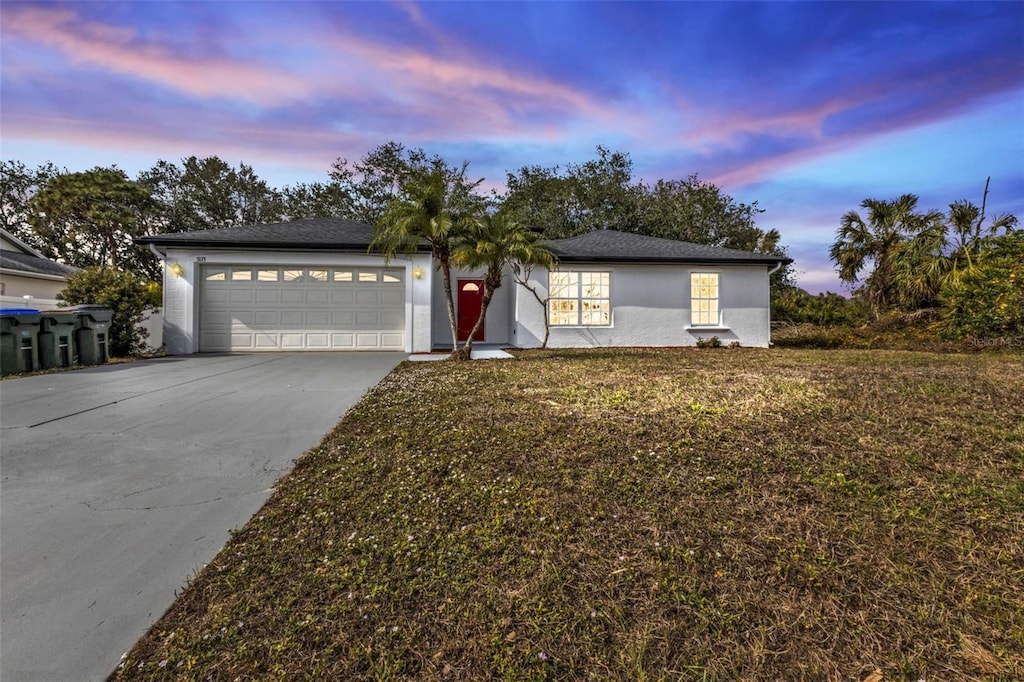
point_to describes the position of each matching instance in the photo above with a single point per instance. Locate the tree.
(889, 226)
(90, 218)
(129, 295)
(692, 210)
(317, 200)
(987, 300)
(380, 178)
(496, 242)
(947, 250)
(596, 194)
(435, 207)
(18, 185)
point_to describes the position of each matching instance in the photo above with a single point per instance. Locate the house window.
(579, 299)
(704, 299)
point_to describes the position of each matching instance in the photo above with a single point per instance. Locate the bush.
(987, 303)
(713, 342)
(126, 293)
(796, 306)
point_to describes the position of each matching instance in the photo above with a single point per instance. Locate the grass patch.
(634, 515)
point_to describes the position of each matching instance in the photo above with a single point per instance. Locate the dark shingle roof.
(312, 233)
(326, 234)
(612, 246)
(27, 262)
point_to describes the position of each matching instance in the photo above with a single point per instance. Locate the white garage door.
(245, 308)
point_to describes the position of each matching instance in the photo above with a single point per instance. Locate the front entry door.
(470, 300)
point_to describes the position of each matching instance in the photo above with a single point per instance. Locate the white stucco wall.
(181, 319)
(497, 324)
(40, 286)
(650, 306)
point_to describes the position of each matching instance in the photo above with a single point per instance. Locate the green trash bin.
(92, 330)
(19, 329)
(56, 339)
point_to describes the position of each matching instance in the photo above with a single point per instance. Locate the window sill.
(715, 328)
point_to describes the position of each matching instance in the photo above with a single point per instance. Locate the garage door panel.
(317, 340)
(292, 340)
(292, 318)
(367, 319)
(267, 318)
(318, 318)
(213, 294)
(392, 340)
(242, 340)
(318, 296)
(293, 296)
(343, 297)
(267, 308)
(367, 297)
(344, 340)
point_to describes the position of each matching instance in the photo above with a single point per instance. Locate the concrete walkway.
(121, 482)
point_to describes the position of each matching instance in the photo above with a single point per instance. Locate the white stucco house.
(314, 285)
(25, 272)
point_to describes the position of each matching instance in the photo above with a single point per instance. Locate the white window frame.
(705, 300)
(576, 300)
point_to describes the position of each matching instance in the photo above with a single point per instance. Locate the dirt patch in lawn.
(633, 515)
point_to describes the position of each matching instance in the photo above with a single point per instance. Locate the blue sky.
(807, 108)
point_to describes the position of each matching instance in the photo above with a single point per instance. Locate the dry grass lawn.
(635, 515)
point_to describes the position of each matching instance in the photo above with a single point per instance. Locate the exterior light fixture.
(177, 269)
(417, 272)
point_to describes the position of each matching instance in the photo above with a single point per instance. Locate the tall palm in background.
(496, 242)
(436, 208)
(880, 239)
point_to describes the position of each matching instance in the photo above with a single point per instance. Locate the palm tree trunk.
(446, 275)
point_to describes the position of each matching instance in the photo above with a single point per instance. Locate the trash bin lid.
(18, 311)
(87, 307)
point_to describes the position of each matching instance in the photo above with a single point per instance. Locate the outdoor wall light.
(417, 272)
(177, 269)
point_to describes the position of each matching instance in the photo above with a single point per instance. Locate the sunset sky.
(807, 108)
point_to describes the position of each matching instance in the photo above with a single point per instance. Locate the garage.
(292, 308)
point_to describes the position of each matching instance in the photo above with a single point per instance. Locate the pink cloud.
(303, 147)
(120, 50)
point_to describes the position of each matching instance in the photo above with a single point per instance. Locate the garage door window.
(215, 275)
(241, 275)
(267, 275)
(317, 275)
(342, 275)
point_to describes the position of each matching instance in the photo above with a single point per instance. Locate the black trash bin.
(57, 339)
(19, 329)
(92, 332)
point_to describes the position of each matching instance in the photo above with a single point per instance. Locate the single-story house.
(314, 285)
(26, 272)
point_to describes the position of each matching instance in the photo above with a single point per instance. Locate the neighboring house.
(26, 272)
(314, 285)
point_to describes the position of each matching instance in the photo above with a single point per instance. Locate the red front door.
(468, 304)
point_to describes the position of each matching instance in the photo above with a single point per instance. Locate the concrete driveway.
(120, 482)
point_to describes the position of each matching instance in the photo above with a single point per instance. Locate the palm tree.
(889, 227)
(935, 259)
(435, 208)
(496, 242)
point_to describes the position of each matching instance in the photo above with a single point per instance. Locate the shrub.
(127, 294)
(797, 306)
(987, 302)
(713, 342)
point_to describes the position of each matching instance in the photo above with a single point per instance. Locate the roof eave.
(257, 246)
(636, 260)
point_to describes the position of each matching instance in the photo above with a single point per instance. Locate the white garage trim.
(273, 307)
